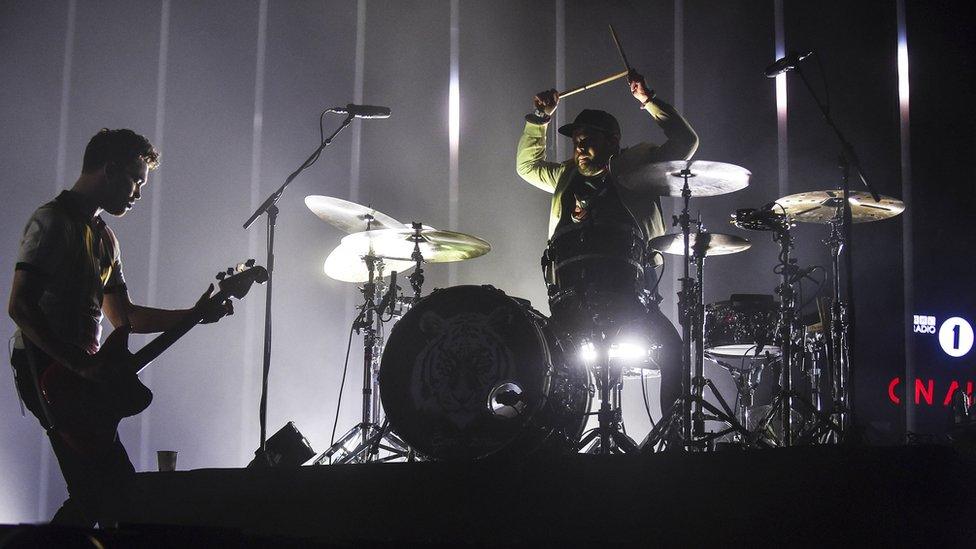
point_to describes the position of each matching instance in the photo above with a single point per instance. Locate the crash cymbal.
(349, 216)
(347, 266)
(826, 206)
(711, 243)
(663, 178)
(436, 246)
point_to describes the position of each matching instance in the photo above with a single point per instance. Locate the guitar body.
(79, 404)
(86, 413)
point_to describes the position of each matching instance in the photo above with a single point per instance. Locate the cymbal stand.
(786, 396)
(368, 432)
(607, 437)
(417, 276)
(686, 419)
(839, 349)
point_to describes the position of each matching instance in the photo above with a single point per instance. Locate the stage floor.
(898, 496)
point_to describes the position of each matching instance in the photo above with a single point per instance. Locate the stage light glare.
(588, 352)
(628, 351)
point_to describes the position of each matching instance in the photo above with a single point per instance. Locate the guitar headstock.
(237, 281)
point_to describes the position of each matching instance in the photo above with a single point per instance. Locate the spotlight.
(628, 351)
(588, 352)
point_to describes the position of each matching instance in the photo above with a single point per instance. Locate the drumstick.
(600, 82)
(620, 48)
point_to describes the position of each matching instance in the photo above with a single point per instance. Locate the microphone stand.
(848, 160)
(269, 207)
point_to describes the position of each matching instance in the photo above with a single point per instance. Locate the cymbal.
(345, 265)
(436, 246)
(663, 179)
(826, 206)
(713, 243)
(349, 216)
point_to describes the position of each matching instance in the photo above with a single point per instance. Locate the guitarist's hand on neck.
(211, 310)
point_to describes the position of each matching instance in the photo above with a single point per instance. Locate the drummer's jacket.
(644, 206)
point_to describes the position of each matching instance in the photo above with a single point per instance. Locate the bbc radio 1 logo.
(955, 334)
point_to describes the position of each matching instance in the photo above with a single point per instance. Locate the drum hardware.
(685, 422)
(831, 208)
(609, 436)
(371, 436)
(786, 398)
(417, 278)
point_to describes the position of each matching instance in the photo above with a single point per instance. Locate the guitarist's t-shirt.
(79, 261)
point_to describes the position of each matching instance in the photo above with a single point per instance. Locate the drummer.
(585, 186)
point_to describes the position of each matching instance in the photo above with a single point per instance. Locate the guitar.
(85, 409)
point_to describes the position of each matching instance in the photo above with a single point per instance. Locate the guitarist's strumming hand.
(211, 310)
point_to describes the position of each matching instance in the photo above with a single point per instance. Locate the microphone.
(362, 111)
(786, 64)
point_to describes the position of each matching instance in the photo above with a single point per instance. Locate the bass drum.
(470, 372)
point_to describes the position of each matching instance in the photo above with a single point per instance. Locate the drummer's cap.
(593, 119)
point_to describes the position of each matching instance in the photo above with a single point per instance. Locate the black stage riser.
(800, 496)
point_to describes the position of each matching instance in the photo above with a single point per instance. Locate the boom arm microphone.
(362, 111)
(785, 64)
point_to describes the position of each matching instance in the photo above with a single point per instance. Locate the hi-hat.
(349, 216)
(398, 244)
(347, 266)
(664, 178)
(827, 206)
(701, 244)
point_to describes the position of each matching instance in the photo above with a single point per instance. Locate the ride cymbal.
(827, 206)
(349, 216)
(707, 178)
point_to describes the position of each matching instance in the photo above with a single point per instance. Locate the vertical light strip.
(359, 77)
(250, 366)
(152, 285)
(907, 227)
(357, 98)
(69, 53)
(679, 103)
(782, 153)
(454, 128)
(44, 463)
(679, 55)
(561, 144)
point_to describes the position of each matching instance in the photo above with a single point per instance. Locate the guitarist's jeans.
(98, 483)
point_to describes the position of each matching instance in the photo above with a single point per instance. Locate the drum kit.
(468, 372)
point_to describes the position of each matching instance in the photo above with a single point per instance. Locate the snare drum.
(743, 327)
(470, 372)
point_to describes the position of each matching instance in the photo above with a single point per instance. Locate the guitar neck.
(163, 341)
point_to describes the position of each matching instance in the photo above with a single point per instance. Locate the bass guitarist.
(69, 271)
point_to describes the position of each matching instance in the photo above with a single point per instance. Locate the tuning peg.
(230, 271)
(249, 263)
(221, 275)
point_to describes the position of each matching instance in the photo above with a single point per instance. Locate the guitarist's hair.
(119, 147)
